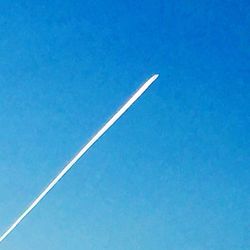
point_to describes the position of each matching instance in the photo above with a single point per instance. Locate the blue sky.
(173, 173)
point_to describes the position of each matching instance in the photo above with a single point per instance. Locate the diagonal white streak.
(95, 138)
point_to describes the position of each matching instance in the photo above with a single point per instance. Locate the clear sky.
(173, 173)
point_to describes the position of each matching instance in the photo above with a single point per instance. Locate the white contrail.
(115, 117)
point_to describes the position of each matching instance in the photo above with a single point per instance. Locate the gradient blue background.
(174, 172)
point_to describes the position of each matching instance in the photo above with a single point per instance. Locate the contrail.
(95, 138)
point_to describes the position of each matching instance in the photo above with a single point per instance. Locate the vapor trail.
(95, 138)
